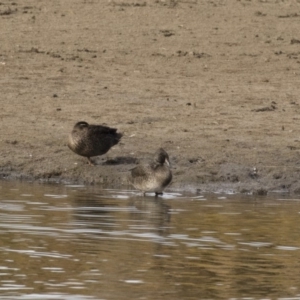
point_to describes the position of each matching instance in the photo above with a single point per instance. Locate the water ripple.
(49, 296)
(85, 243)
(36, 253)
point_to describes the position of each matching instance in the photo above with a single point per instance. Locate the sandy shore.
(215, 83)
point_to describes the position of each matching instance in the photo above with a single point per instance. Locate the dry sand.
(215, 83)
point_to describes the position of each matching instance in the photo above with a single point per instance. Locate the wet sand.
(213, 83)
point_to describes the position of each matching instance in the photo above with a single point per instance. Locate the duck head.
(161, 157)
(81, 125)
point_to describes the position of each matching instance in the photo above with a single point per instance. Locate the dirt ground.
(215, 83)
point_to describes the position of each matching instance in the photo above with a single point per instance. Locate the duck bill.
(167, 162)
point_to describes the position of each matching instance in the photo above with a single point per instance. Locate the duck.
(92, 140)
(152, 177)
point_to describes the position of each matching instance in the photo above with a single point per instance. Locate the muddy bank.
(226, 178)
(214, 83)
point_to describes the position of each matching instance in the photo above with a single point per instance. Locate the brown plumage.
(92, 140)
(153, 177)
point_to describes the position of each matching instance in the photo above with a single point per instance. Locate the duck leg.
(90, 162)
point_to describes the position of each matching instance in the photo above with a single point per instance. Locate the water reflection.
(75, 242)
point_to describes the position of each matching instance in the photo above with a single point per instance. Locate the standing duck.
(152, 177)
(92, 140)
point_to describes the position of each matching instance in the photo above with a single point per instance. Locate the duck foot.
(90, 162)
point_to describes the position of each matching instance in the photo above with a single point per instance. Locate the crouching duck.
(92, 140)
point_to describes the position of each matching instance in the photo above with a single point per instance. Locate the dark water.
(75, 242)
